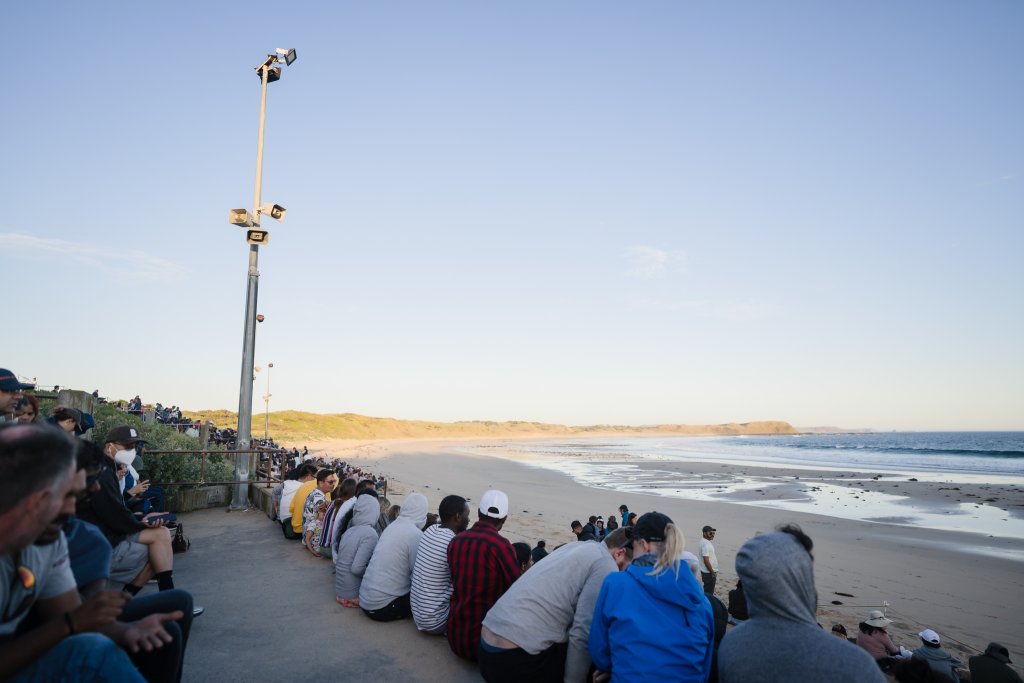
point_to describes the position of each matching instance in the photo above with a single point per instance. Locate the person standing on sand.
(483, 565)
(624, 511)
(782, 640)
(709, 561)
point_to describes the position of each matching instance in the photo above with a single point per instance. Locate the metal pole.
(266, 409)
(240, 500)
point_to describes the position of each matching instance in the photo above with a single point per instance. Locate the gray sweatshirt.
(389, 575)
(554, 602)
(782, 640)
(356, 548)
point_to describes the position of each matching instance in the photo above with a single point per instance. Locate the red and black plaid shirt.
(483, 565)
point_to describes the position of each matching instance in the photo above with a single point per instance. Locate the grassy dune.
(294, 427)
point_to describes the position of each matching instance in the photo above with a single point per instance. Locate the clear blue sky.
(577, 212)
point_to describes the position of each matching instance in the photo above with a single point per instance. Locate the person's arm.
(506, 564)
(60, 617)
(107, 508)
(577, 659)
(600, 646)
(364, 551)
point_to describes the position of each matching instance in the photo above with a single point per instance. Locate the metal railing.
(257, 466)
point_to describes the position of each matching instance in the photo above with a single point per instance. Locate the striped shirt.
(483, 565)
(431, 579)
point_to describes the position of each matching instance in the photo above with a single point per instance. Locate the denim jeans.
(84, 658)
(163, 665)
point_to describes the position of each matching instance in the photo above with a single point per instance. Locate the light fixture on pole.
(268, 73)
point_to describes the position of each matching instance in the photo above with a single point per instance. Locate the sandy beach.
(967, 586)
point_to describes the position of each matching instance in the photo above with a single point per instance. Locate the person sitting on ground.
(600, 530)
(876, 641)
(590, 530)
(916, 670)
(382, 520)
(68, 419)
(539, 552)
(938, 659)
(992, 666)
(431, 594)
(839, 631)
(538, 630)
(290, 487)
(11, 393)
(782, 640)
(355, 550)
(297, 507)
(46, 631)
(393, 513)
(653, 618)
(27, 411)
(738, 604)
(314, 508)
(384, 593)
(612, 524)
(523, 557)
(345, 492)
(583, 533)
(135, 542)
(631, 519)
(483, 565)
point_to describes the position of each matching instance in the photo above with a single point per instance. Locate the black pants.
(709, 580)
(399, 608)
(289, 532)
(515, 666)
(163, 665)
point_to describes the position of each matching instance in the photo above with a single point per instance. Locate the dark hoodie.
(662, 626)
(782, 640)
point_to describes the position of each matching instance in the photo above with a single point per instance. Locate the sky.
(573, 212)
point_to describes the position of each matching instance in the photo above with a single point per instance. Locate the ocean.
(658, 465)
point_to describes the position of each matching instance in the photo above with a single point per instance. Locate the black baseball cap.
(651, 527)
(124, 434)
(708, 528)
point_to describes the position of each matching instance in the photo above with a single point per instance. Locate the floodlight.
(241, 217)
(288, 54)
(275, 211)
(257, 236)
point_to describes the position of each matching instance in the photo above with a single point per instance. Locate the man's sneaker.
(196, 611)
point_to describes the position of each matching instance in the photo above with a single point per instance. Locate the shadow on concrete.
(271, 614)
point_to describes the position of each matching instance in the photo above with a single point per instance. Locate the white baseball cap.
(929, 636)
(494, 504)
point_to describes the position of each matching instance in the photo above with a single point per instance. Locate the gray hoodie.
(940, 661)
(356, 548)
(389, 575)
(782, 640)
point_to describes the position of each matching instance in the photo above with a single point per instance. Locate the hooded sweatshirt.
(356, 548)
(940, 661)
(662, 626)
(389, 575)
(782, 640)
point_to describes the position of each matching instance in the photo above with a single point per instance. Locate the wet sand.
(967, 586)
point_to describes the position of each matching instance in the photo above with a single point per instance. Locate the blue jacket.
(652, 628)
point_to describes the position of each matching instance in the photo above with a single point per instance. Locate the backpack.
(180, 543)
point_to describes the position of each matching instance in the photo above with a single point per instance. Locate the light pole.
(268, 73)
(266, 410)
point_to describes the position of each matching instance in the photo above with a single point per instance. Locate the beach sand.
(968, 587)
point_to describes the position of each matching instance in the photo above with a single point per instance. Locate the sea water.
(631, 464)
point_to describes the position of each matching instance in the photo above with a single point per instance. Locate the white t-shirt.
(707, 550)
(48, 575)
(288, 489)
(431, 592)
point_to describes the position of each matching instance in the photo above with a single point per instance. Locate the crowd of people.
(625, 602)
(82, 535)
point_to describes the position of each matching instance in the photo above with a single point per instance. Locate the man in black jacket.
(142, 548)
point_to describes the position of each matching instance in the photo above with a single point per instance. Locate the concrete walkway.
(271, 614)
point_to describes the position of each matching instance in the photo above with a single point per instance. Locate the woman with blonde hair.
(652, 621)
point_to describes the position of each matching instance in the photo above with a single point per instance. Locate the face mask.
(125, 457)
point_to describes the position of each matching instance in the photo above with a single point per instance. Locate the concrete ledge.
(261, 497)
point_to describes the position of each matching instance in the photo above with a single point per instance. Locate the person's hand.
(102, 609)
(154, 523)
(139, 488)
(149, 634)
(601, 677)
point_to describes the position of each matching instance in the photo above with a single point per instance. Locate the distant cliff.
(291, 427)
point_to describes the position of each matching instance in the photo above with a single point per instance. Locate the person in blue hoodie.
(652, 621)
